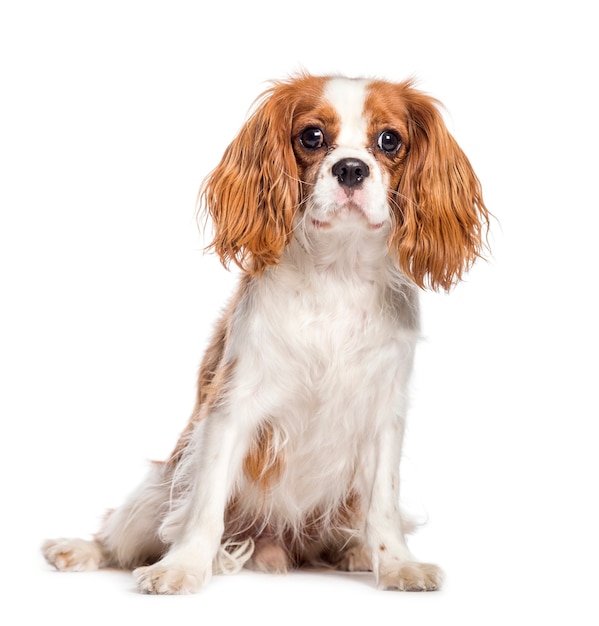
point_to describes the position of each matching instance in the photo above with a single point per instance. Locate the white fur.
(322, 347)
(328, 199)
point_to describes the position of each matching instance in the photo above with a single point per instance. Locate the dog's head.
(329, 154)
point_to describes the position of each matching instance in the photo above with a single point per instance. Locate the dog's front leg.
(194, 529)
(392, 562)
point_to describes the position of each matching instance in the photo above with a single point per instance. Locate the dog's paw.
(169, 580)
(356, 559)
(411, 576)
(270, 558)
(73, 555)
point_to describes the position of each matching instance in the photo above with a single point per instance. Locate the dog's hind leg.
(129, 536)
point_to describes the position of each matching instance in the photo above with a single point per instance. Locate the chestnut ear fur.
(252, 194)
(443, 220)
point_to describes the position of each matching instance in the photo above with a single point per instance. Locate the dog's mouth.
(346, 214)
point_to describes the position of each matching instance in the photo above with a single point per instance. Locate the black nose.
(350, 172)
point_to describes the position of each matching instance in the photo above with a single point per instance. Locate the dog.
(339, 199)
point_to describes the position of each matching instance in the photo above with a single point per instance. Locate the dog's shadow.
(305, 575)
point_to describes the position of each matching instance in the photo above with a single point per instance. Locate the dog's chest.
(324, 339)
(325, 365)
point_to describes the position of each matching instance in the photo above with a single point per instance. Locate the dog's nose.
(350, 172)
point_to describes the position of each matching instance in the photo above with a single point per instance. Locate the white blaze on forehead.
(347, 96)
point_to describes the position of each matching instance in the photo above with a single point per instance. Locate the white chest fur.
(324, 360)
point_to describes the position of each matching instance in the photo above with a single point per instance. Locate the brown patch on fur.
(269, 556)
(343, 517)
(328, 534)
(355, 559)
(437, 198)
(253, 193)
(320, 539)
(262, 464)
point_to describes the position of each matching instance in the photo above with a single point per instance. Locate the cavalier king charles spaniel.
(339, 199)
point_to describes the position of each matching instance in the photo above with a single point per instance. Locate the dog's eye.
(312, 138)
(389, 141)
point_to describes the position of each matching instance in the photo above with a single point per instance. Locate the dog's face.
(331, 154)
(349, 157)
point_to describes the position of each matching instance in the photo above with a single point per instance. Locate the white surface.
(111, 114)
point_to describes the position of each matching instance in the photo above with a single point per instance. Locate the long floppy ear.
(443, 218)
(253, 192)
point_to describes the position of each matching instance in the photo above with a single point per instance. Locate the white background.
(113, 112)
